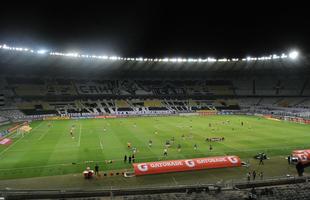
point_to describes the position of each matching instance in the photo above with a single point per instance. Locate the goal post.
(23, 130)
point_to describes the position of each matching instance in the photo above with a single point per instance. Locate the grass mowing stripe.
(146, 157)
(194, 153)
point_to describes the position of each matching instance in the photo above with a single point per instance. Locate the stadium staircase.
(100, 107)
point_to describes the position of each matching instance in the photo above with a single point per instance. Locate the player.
(97, 169)
(261, 160)
(241, 123)
(128, 145)
(165, 152)
(179, 147)
(248, 176)
(71, 133)
(195, 147)
(172, 139)
(134, 150)
(254, 175)
(150, 143)
(49, 124)
(261, 175)
(210, 147)
(167, 143)
(155, 132)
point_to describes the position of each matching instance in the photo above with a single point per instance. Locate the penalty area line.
(42, 135)
(37, 126)
(9, 147)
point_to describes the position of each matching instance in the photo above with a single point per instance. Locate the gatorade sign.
(186, 165)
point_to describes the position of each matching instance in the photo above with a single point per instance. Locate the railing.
(232, 185)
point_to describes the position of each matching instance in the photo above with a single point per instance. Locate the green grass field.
(49, 151)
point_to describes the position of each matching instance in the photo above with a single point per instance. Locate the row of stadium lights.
(291, 55)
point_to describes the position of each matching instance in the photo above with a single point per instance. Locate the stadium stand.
(96, 103)
(12, 114)
(205, 86)
(3, 120)
(2, 102)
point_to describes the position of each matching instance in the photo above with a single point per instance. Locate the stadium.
(154, 101)
(203, 108)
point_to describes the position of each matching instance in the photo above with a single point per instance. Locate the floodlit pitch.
(50, 149)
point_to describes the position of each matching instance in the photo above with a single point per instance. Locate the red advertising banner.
(302, 155)
(105, 116)
(207, 112)
(5, 141)
(56, 118)
(186, 165)
(110, 116)
(16, 127)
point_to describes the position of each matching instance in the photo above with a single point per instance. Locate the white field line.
(9, 147)
(80, 133)
(42, 135)
(101, 146)
(37, 126)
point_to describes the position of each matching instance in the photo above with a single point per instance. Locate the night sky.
(158, 28)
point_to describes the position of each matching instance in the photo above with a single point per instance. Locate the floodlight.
(293, 54)
(41, 51)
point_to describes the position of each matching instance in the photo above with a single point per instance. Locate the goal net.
(23, 130)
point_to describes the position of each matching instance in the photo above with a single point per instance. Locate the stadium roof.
(291, 55)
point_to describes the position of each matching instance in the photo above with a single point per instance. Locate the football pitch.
(50, 150)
